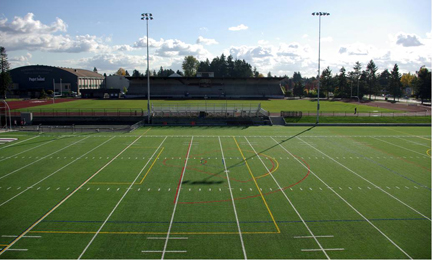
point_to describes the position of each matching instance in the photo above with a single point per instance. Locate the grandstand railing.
(207, 110)
(84, 112)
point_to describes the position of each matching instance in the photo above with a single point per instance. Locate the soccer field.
(218, 193)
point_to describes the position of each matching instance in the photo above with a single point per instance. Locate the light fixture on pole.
(319, 53)
(147, 17)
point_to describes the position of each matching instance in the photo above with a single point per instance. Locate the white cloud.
(305, 36)
(238, 27)
(26, 33)
(202, 40)
(263, 42)
(203, 29)
(407, 40)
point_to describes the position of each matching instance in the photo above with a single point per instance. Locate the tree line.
(360, 83)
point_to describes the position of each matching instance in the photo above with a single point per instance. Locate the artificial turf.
(276, 192)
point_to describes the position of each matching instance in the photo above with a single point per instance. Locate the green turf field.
(218, 192)
(269, 105)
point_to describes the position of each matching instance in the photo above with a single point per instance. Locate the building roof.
(83, 73)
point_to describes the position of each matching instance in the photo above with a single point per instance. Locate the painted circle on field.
(428, 152)
(205, 162)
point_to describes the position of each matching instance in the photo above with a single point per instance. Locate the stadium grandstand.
(199, 87)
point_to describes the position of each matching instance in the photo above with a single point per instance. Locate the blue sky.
(277, 36)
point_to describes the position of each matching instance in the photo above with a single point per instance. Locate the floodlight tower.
(319, 52)
(147, 17)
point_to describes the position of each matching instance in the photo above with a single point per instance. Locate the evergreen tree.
(342, 84)
(326, 81)
(384, 80)
(5, 78)
(371, 70)
(395, 83)
(423, 84)
(136, 73)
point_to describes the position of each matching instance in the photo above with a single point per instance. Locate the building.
(117, 82)
(196, 87)
(29, 81)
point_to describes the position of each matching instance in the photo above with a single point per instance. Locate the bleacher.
(212, 88)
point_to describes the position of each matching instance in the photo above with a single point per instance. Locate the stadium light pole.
(319, 59)
(147, 17)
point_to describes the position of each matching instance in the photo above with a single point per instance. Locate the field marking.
(28, 149)
(65, 199)
(398, 146)
(337, 194)
(121, 199)
(408, 134)
(326, 249)
(232, 200)
(373, 184)
(177, 196)
(20, 142)
(128, 183)
(147, 233)
(313, 236)
(290, 202)
(42, 158)
(23, 236)
(428, 152)
(172, 251)
(32, 186)
(157, 238)
(256, 185)
(16, 249)
(409, 141)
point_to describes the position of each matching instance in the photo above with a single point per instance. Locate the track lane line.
(290, 202)
(121, 199)
(351, 206)
(232, 200)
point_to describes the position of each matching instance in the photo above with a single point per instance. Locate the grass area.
(269, 105)
(362, 119)
(218, 192)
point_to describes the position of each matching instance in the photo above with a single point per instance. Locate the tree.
(127, 73)
(255, 72)
(136, 73)
(121, 72)
(95, 70)
(269, 75)
(384, 81)
(395, 83)
(423, 83)
(190, 66)
(356, 74)
(5, 78)
(342, 90)
(298, 89)
(179, 72)
(297, 77)
(326, 81)
(371, 70)
(408, 82)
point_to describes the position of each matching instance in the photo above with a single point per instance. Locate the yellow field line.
(428, 152)
(256, 184)
(409, 134)
(3, 244)
(146, 131)
(128, 183)
(148, 233)
(157, 157)
(277, 167)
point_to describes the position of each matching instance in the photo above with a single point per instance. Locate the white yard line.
(176, 199)
(232, 200)
(422, 154)
(428, 146)
(65, 199)
(155, 251)
(19, 142)
(28, 150)
(312, 236)
(157, 238)
(42, 158)
(34, 184)
(121, 199)
(337, 194)
(289, 201)
(326, 249)
(371, 183)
